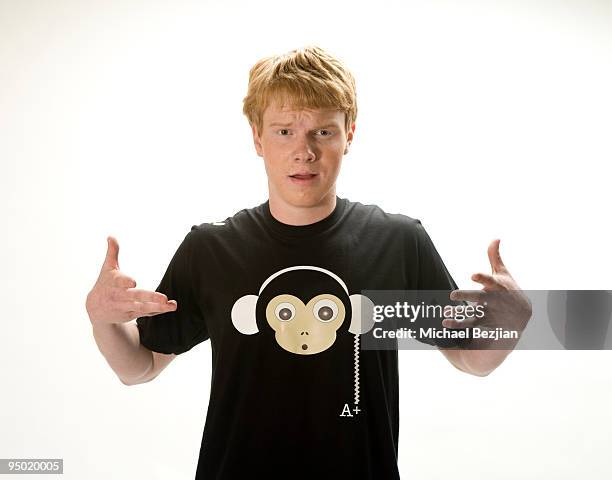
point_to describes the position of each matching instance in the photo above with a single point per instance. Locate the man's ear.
(349, 138)
(256, 140)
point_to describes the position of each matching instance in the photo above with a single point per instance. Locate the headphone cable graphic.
(356, 362)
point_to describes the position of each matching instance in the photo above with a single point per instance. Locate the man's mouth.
(302, 177)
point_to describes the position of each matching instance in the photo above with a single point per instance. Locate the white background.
(483, 119)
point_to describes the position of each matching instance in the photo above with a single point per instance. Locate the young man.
(276, 289)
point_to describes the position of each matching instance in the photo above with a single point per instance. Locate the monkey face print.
(305, 329)
(306, 307)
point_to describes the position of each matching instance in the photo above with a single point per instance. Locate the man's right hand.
(114, 298)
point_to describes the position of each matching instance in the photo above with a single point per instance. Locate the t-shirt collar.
(302, 231)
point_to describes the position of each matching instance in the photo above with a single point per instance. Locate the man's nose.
(304, 151)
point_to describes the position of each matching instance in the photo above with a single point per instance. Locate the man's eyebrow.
(327, 125)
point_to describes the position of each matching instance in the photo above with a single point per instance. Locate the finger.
(111, 261)
(144, 314)
(135, 314)
(485, 279)
(145, 307)
(465, 323)
(455, 316)
(468, 295)
(123, 281)
(497, 265)
(138, 295)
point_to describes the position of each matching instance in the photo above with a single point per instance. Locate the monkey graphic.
(305, 306)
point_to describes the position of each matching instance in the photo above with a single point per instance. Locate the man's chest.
(302, 293)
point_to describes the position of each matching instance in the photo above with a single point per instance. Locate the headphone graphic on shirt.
(305, 311)
(304, 326)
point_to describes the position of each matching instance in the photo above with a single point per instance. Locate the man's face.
(302, 152)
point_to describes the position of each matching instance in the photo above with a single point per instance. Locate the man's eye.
(325, 133)
(284, 131)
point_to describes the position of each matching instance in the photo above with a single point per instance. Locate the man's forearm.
(482, 362)
(120, 345)
(479, 361)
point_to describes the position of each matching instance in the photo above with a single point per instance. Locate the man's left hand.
(505, 304)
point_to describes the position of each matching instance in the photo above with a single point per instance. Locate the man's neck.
(296, 215)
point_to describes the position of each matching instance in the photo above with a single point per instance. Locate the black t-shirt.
(292, 394)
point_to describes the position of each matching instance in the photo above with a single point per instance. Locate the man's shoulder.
(377, 217)
(228, 226)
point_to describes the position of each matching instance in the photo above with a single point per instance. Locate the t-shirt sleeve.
(432, 273)
(434, 276)
(182, 329)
